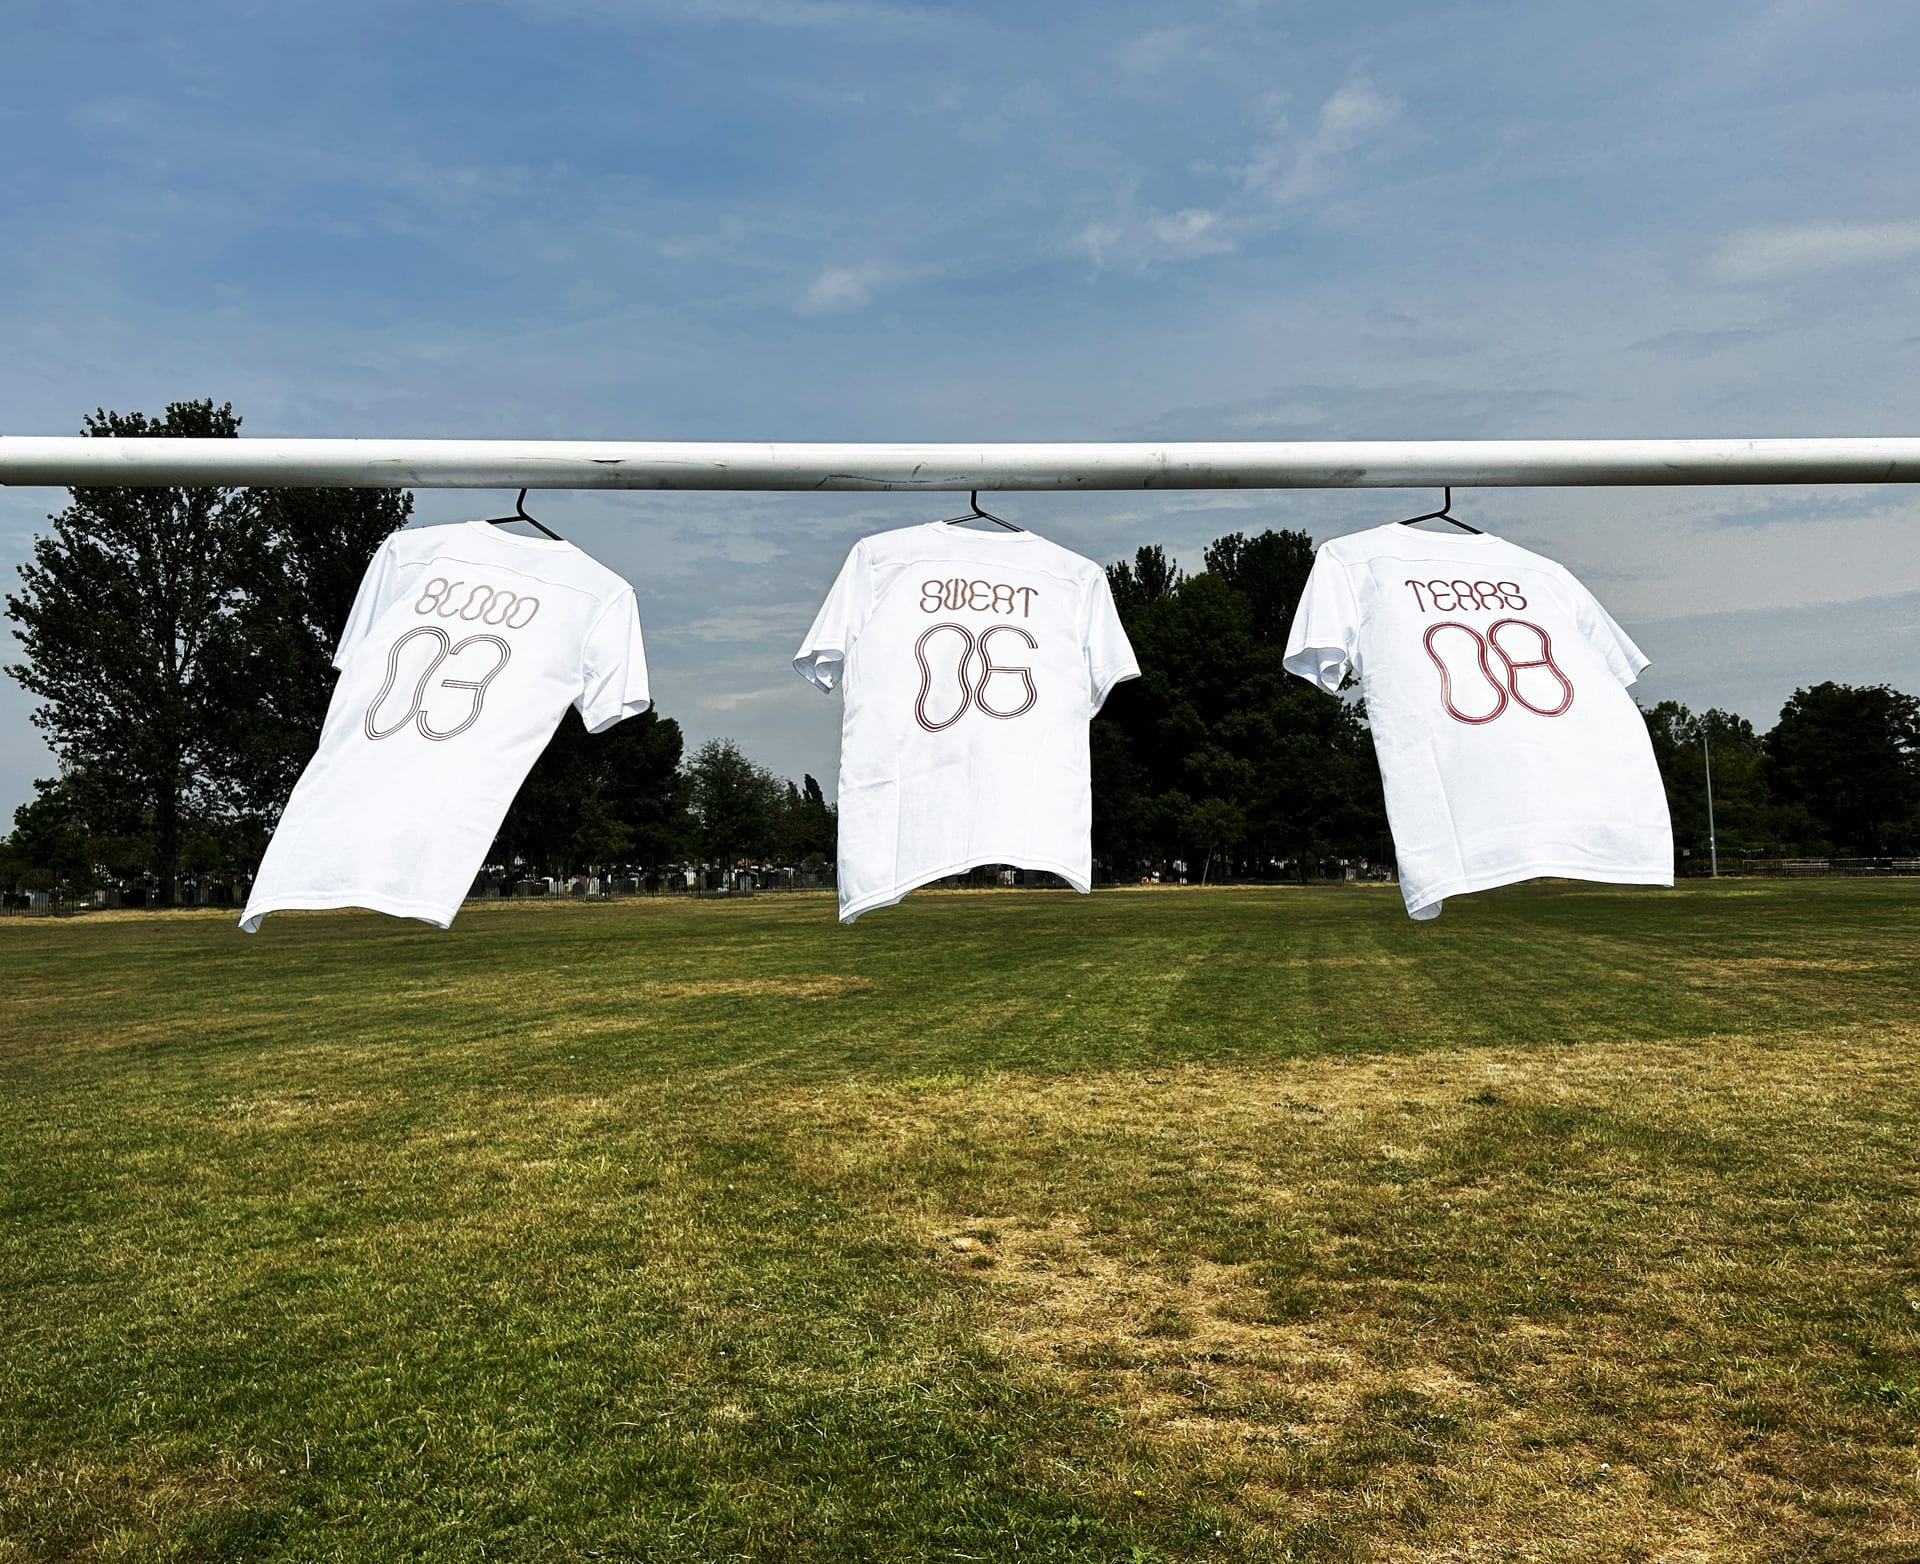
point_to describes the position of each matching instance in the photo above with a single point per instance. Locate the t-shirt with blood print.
(1496, 689)
(464, 648)
(970, 663)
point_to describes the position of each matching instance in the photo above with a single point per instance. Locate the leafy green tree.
(736, 802)
(1743, 818)
(1269, 571)
(268, 693)
(1851, 757)
(50, 844)
(600, 839)
(123, 615)
(807, 829)
(594, 800)
(181, 641)
(643, 785)
(1216, 731)
(1214, 825)
(1151, 578)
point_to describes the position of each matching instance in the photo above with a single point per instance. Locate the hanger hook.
(974, 511)
(1444, 513)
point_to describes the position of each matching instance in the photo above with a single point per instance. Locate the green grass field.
(1224, 1225)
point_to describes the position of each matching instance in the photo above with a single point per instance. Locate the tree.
(1213, 825)
(1217, 748)
(269, 691)
(1743, 820)
(50, 844)
(1151, 578)
(807, 827)
(596, 799)
(735, 801)
(643, 785)
(181, 642)
(1270, 572)
(1851, 756)
(123, 614)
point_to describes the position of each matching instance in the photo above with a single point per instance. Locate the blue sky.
(855, 219)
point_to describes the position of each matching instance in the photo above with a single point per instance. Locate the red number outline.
(1511, 689)
(1446, 674)
(1544, 660)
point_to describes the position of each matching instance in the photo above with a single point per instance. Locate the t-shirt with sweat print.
(465, 646)
(970, 663)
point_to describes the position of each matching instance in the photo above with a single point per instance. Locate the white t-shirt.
(465, 646)
(972, 663)
(1496, 688)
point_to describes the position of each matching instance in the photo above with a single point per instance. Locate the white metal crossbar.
(87, 462)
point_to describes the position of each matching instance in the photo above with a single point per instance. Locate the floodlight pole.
(1713, 841)
(107, 462)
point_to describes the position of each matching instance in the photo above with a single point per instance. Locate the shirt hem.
(901, 889)
(1467, 885)
(435, 913)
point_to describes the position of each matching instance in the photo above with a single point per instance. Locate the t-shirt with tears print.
(1496, 687)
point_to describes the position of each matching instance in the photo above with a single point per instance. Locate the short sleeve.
(822, 657)
(1322, 645)
(613, 667)
(1110, 659)
(1624, 660)
(378, 587)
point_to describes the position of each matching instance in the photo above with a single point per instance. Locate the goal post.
(64, 461)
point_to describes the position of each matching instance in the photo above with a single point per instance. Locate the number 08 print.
(1469, 688)
(416, 712)
(970, 695)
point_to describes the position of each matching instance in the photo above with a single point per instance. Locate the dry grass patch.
(1476, 1304)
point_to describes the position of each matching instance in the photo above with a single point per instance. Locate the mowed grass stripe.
(1240, 1224)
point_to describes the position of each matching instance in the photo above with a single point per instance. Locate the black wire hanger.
(1444, 514)
(977, 514)
(520, 514)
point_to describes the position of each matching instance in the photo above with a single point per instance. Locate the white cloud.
(1139, 239)
(846, 287)
(1290, 169)
(1761, 254)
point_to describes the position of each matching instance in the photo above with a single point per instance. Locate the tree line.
(1837, 776)
(179, 644)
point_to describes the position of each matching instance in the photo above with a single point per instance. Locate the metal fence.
(1815, 868)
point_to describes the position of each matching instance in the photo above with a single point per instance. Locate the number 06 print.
(1469, 688)
(975, 694)
(416, 713)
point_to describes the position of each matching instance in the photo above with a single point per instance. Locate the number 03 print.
(968, 646)
(1469, 688)
(416, 712)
